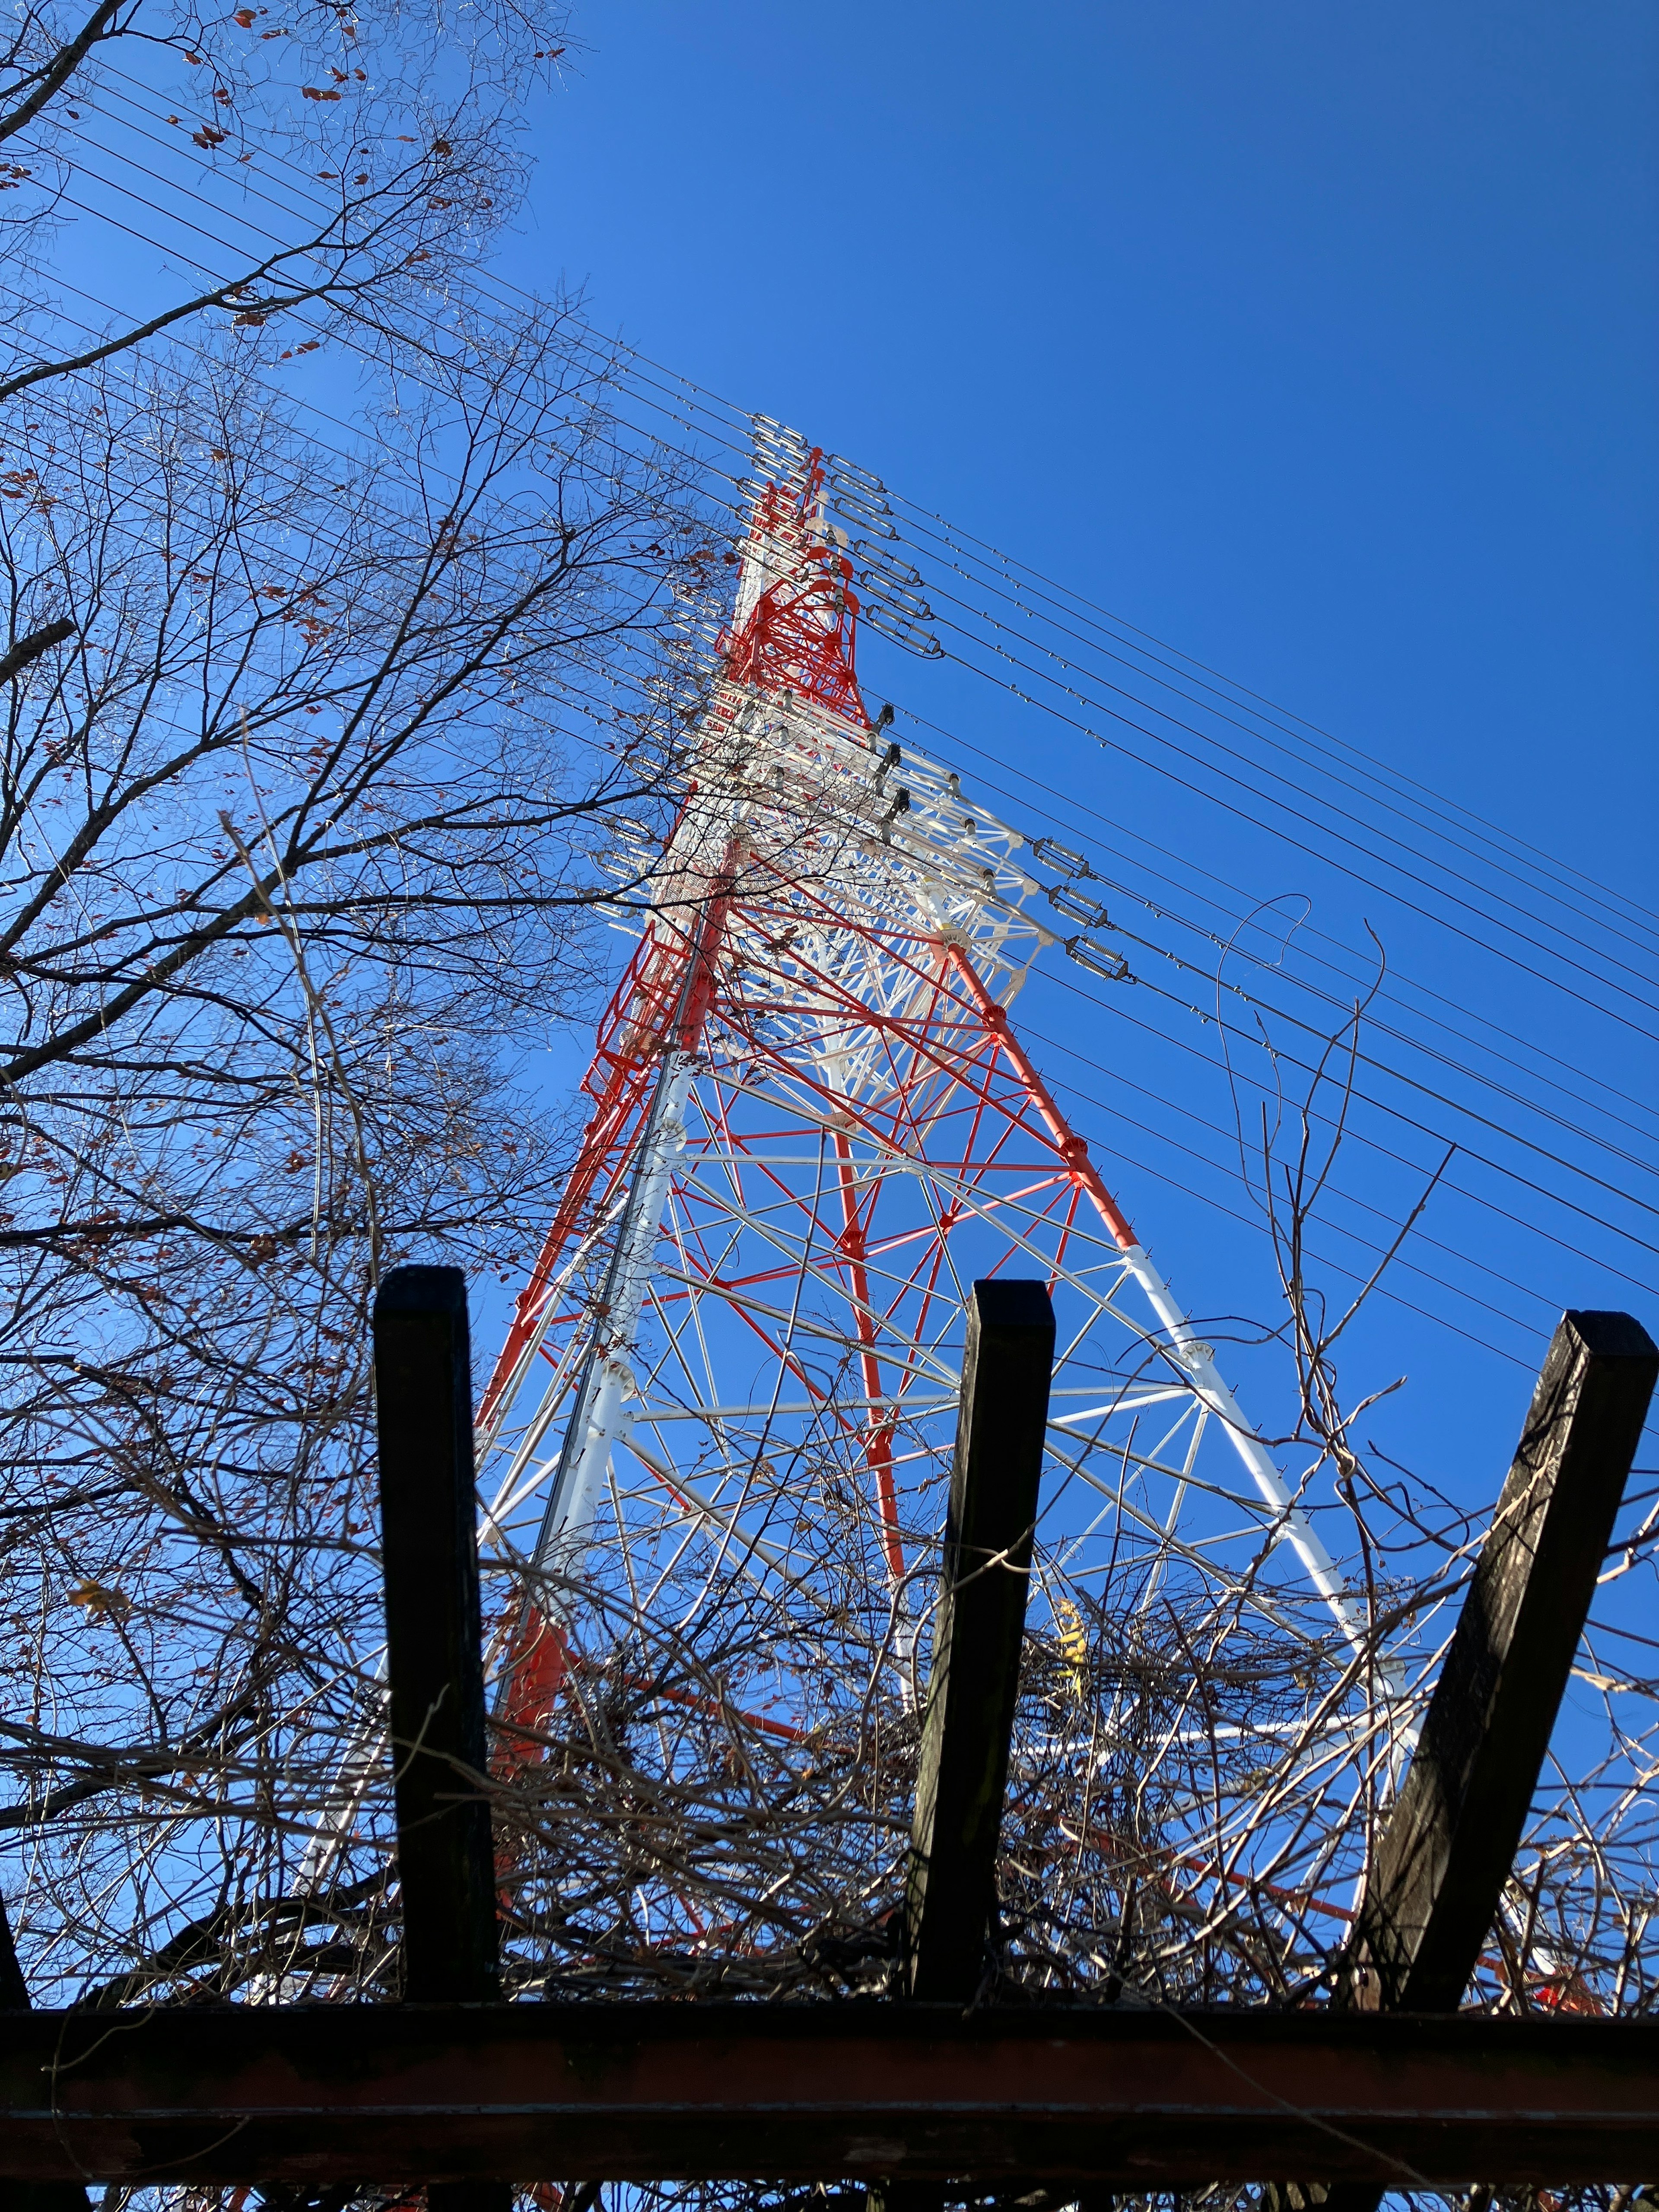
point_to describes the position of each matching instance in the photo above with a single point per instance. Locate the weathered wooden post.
(434, 1663)
(1451, 1838)
(975, 1681)
(1435, 1884)
(29, 2195)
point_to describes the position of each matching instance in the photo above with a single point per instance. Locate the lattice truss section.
(730, 1384)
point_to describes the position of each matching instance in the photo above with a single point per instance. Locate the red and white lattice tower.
(812, 1126)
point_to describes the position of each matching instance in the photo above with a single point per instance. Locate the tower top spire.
(795, 626)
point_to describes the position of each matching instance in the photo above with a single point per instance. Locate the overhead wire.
(1543, 1151)
(1153, 736)
(1457, 1106)
(1302, 791)
(736, 423)
(596, 706)
(1439, 1135)
(991, 558)
(1532, 855)
(1472, 1195)
(1245, 910)
(1120, 1011)
(1296, 840)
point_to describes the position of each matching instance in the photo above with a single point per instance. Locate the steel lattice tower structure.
(812, 1126)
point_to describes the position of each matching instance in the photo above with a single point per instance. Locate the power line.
(1155, 738)
(734, 424)
(1396, 979)
(1457, 1106)
(1590, 1138)
(1474, 1196)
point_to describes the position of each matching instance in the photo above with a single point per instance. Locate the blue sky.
(1319, 339)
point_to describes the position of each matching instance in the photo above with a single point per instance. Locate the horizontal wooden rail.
(644, 2092)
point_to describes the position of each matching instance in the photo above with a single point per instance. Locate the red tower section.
(800, 636)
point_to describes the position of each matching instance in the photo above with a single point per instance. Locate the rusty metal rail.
(1135, 2100)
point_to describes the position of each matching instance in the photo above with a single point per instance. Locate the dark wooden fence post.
(1452, 1837)
(434, 1663)
(29, 2195)
(975, 1681)
(1438, 1880)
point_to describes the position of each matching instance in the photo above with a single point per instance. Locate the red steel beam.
(657, 2091)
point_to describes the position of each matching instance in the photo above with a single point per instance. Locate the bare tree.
(401, 123)
(310, 753)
